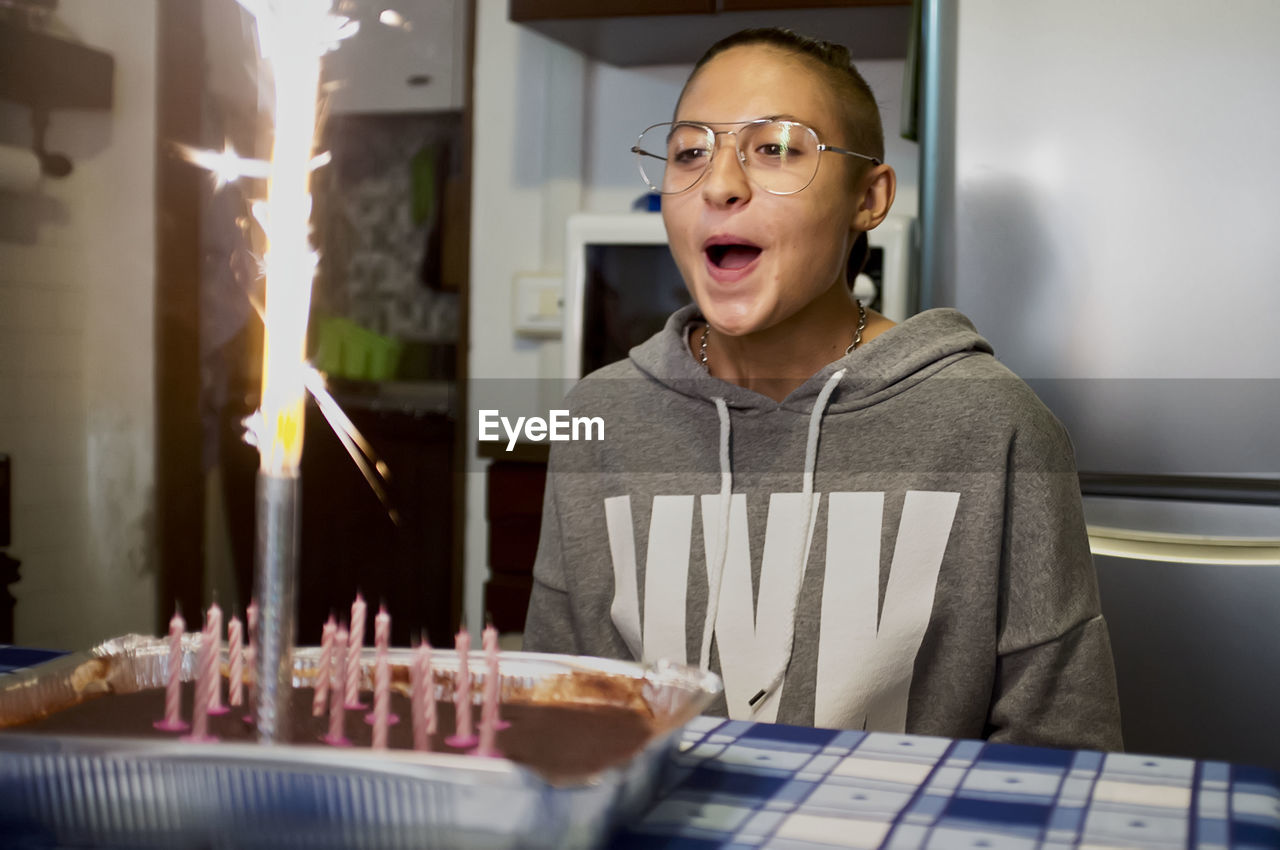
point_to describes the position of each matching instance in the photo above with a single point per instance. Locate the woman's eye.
(774, 150)
(689, 156)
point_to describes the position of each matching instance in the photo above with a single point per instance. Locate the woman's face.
(753, 260)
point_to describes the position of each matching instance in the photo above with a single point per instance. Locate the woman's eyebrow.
(786, 116)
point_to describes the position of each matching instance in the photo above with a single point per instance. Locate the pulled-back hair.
(862, 115)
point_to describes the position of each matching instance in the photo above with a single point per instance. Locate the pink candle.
(173, 691)
(206, 673)
(489, 706)
(422, 697)
(429, 681)
(463, 735)
(490, 641)
(382, 641)
(248, 666)
(213, 624)
(325, 673)
(357, 643)
(251, 654)
(251, 615)
(381, 701)
(337, 706)
(235, 649)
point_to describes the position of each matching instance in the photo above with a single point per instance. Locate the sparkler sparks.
(375, 472)
(227, 166)
(294, 46)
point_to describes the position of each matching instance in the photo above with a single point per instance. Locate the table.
(17, 657)
(737, 785)
(746, 785)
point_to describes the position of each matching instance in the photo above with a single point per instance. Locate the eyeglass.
(781, 157)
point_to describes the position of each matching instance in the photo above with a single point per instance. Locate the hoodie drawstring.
(717, 569)
(716, 574)
(802, 550)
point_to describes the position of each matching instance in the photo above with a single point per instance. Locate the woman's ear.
(880, 184)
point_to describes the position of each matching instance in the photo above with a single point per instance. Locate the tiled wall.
(76, 361)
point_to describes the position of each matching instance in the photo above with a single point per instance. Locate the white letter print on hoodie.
(864, 666)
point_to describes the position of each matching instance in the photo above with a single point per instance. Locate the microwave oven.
(621, 283)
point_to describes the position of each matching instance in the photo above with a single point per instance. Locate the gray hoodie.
(903, 548)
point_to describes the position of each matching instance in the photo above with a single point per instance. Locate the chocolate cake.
(557, 740)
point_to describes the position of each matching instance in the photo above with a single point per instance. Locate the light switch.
(538, 301)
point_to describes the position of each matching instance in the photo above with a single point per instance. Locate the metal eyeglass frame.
(742, 158)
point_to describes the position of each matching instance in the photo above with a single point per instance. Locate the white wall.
(76, 353)
(553, 132)
(526, 179)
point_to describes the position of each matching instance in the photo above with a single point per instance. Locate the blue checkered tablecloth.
(16, 657)
(749, 785)
(735, 785)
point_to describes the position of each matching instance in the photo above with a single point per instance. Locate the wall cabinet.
(658, 32)
(528, 10)
(531, 10)
(758, 5)
(417, 66)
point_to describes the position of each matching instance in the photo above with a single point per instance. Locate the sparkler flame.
(293, 35)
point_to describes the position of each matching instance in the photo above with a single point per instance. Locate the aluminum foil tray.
(82, 791)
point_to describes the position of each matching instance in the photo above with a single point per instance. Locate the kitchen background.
(123, 493)
(108, 451)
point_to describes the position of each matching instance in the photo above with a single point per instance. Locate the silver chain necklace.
(857, 336)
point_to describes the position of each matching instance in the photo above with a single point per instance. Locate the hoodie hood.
(891, 363)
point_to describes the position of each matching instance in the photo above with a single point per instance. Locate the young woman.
(858, 524)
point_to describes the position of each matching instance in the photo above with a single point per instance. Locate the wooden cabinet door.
(761, 5)
(628, 33)
(541, 10)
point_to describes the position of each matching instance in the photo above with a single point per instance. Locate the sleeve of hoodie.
(549, 623)
(1055, 677)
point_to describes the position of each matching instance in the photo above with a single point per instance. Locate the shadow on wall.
(1020, 278)
(23, 214)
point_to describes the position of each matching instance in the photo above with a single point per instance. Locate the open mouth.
(732, 256)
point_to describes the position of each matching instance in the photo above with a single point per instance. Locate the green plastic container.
(346, 350)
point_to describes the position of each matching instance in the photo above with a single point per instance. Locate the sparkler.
(293, 35)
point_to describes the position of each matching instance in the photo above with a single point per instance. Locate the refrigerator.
(1100, 194)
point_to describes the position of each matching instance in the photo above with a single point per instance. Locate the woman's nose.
(726, 180)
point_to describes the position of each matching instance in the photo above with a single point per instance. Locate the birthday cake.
(566, 720)
(578, 748)
(557, 740)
